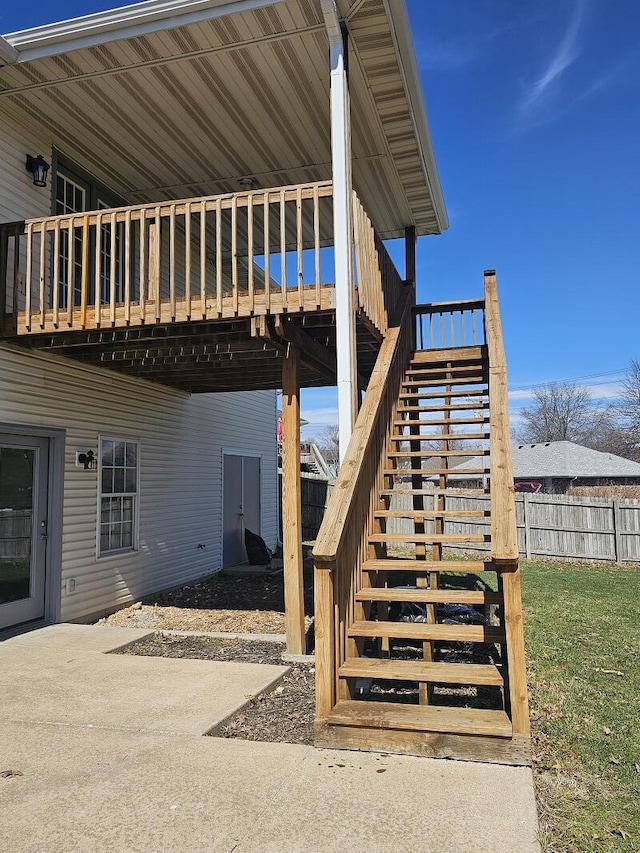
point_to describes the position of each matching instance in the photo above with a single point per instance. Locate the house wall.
(181, 442)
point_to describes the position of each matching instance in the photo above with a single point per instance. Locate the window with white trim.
(119, 474)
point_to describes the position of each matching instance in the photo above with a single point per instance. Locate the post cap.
(489, 272)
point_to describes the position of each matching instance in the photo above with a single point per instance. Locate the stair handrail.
(504, 538)
(341, 545)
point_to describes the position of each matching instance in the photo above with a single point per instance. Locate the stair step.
(399, 564)
(474, 352)
(441, 538)
(424, 631)
(432, 453)
(437, 370)
(422, 671)
(434, 472)
(438, 421)
(431, 492)
(438, 436)
(469, 407)
(431, 513)
(468, 379)
(438, 395)
(423, 718)
(428, 596)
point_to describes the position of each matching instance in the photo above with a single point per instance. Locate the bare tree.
(626, 437)
(329, 444)
(564, 411)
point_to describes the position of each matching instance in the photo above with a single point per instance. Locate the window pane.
(104, 542)
(107, 481)
(107, 453)
(118, 480)
(130, 480)
(118, 453)
(131, 451)
(127, 509)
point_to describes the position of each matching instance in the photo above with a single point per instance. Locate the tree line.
(566, 411)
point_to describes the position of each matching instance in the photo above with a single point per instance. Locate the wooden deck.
(201, 294)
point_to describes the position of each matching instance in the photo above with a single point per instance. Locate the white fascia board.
(124, 22)
(401, 32)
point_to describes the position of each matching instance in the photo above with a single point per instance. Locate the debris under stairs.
(428, 643)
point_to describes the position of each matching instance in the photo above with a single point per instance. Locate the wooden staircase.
(419, 641)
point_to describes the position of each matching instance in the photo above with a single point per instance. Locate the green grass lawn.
(582, 630)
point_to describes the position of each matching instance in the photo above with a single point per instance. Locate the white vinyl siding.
(180, 488)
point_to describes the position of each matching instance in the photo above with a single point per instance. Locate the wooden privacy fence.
(552, 525)
(316, 491)
(15, 534)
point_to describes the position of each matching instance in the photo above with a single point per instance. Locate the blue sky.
(535, 118)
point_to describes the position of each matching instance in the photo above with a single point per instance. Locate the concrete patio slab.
(85, 638)
(109, 759)
(94, 790)
(79, 688)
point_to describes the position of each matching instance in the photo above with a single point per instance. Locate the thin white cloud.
(597, 390)
(538, 96)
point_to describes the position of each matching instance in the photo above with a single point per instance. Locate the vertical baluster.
(267, 255)
(157, 263)
(250, 253)
(441, 344)
(316, 243)
(283, 249)
(219, 255)
(113, 247)
(70, 271)
(142, 271)
(473, 327)
(43, 273)
(462, 319)
(127, 267)
(300, 269)
(452, 329)
(172, 261)
(56, 273)
(16, 271)
(84, 273)
(431, 332)
(203, 259)
(28, 280)
(234, 253)
(187, 259)
(97, 297)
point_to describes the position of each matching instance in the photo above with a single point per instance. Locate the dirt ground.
(243, 603)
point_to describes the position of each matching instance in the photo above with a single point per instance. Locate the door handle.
(43, 530)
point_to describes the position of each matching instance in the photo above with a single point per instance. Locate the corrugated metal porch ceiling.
(190, 111)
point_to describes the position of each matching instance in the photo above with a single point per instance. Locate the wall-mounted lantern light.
(86, 460)
(39, 168)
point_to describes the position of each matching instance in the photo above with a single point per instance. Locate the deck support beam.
(292, 503)
(342, 226)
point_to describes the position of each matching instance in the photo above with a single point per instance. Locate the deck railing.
(341, 545)
(242, 254)
(445, 325)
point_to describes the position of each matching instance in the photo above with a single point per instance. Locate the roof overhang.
(175, 98)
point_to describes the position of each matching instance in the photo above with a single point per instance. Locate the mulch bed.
(242, 603)
(283, 715)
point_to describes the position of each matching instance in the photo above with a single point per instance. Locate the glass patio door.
(23, 528)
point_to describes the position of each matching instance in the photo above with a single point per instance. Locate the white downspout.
(342, 228)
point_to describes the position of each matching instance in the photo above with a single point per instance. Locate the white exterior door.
(23, 528)
(241, 505)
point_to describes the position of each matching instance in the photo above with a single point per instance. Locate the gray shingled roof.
(563, 459)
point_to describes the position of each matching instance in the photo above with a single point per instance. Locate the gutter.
(8, 53)
(122, 23)
(401, 33)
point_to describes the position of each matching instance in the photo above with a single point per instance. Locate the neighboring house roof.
(563, 459)
(172, 99)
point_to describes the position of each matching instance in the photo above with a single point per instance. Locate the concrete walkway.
(112, 759)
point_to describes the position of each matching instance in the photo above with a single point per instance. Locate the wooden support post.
(527, 526)
(410, 255)
(617, 531)
(291, 503)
